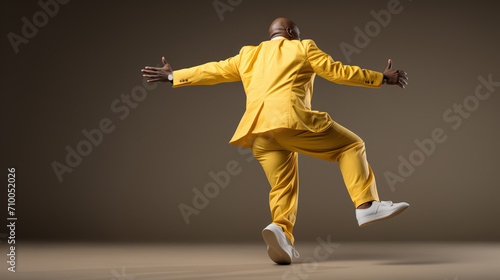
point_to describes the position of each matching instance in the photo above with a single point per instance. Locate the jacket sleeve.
(210, 73)
(323, 65)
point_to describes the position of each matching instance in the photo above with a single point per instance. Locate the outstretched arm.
(335, 71)
(206, 74)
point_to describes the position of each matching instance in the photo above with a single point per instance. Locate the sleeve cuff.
(180, 78)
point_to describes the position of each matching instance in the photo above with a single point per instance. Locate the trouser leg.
(338, 144)
(281, 168)
(358, 175)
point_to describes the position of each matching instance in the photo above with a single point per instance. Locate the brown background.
(129, 188)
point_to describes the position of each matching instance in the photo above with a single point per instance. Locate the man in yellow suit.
(278, 123)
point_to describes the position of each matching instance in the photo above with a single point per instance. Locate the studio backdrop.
(99, 155)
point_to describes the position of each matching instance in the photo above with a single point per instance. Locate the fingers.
(151, 74)
(152, 68)
(164, 61)
(402, 82)
(154, 74)
(403, 74)
(389, 64)
(402, 78)
(155, 80)
(149, 71)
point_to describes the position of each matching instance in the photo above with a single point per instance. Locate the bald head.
(284, 27)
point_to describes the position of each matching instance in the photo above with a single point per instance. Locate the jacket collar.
(278, 37)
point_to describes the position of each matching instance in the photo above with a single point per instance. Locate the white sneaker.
(380, 211)
(279, 247)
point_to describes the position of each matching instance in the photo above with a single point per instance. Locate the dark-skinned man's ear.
(289, 31)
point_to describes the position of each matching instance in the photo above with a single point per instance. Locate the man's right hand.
(395, 77)
(156, 74)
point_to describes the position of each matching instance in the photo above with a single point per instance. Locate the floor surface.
(319, 260)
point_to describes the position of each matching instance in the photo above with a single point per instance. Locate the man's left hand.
(395, 77)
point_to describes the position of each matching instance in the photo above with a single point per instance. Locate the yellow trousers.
(277, 151)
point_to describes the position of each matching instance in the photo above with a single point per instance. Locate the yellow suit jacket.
(278, 77)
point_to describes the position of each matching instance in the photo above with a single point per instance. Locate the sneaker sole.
(274, 251)
(391, 215)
